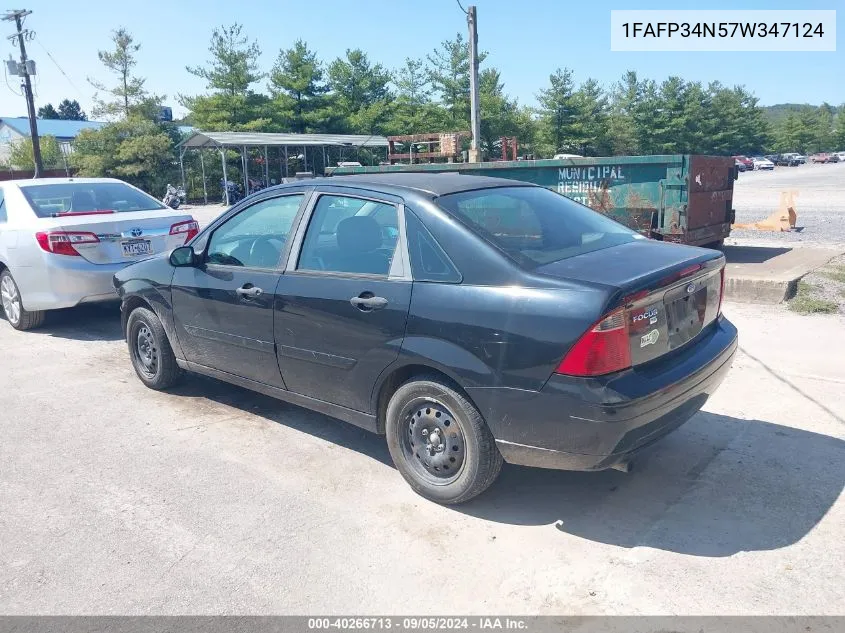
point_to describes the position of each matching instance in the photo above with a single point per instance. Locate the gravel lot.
(210, 499)
(820, 203)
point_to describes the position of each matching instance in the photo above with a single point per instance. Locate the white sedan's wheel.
(10, 297)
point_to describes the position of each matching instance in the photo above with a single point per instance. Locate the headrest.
(359, 234)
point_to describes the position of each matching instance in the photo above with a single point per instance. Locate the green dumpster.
(682, 198)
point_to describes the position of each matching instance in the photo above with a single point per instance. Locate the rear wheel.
(150, 351)
(439, 442)
(16, 315)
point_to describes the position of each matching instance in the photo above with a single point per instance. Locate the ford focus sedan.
(471, 320)
(62, 240)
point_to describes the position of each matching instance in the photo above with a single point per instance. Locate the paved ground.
(820, 203)
(116, 499)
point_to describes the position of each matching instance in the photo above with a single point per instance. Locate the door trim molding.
(321, 358)
(231, 339)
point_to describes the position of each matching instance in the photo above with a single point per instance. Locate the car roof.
(29, 182)
(432, 184)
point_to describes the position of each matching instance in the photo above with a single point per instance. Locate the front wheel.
(439, 442)
(150, 351)
(16, 315)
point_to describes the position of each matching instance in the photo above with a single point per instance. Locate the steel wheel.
(146, 350)
(433, 442)
(11, 299)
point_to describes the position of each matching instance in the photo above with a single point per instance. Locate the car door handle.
(366, 302)
(248, 290)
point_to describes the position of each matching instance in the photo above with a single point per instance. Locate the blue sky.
(525, 39)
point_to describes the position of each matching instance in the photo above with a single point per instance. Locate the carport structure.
(242, 141)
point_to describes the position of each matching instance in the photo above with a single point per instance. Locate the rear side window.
(533, 225)
(428, 261)
(85, 197)
(350, 235)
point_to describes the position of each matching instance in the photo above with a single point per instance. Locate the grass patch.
(837, 273)
(805, 303)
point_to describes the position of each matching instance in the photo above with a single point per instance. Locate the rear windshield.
(533, 225)
(79, 197)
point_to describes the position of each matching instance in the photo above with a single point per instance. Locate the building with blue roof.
(15, 128)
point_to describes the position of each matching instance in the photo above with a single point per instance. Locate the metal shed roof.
(60, 128)
(260, 139)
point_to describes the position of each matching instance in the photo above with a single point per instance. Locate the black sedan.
(471, 320)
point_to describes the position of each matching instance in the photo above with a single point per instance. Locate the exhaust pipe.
(623, 467)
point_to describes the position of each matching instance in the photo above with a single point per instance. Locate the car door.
(343, 300)
(223, 307)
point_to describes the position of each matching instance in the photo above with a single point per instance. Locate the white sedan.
(63, 239)
(762, 163)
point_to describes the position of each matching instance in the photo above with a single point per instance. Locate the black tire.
(150, 351)
(426, 408)
(174, 204)
(12, 305)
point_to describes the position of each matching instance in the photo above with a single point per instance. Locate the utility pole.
(25, 70)
(475, 119)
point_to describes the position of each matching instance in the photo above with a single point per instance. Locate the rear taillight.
(603, 349)
(721, 291)
(189, 229)
(64, 242)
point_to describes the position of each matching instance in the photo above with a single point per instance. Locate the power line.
(61, 70)
(461, 6)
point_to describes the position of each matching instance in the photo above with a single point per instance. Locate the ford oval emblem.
(135, 232)
(690, 288)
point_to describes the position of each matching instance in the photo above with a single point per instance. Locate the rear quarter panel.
(488, 336)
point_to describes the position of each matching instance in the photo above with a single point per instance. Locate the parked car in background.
(762, 163)
(786, 160)
(800, 158)
(772, 157)
(820, 157)
(833, 158)
(749, 164)
(470, 319)
(565, 156)
(740, 165)
(63, 239)
(840, 156)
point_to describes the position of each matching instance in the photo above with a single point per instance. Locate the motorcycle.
(174, 197)
(234, 189)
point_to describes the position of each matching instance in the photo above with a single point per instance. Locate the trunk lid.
(670, 292)
(123, 237)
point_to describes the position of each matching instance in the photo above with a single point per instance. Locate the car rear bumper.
(64, 284)
(596, 423)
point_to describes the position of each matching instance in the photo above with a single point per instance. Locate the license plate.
(135, 248)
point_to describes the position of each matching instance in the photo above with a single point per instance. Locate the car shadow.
(88, 322)
(290, 415)
(717, 486)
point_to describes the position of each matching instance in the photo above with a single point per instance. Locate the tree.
(296, 84)
(47, 112)
(622, 129)
(498, 113)
(591, 119)
(361, 92)
(230, 73)
(20, 153)
(138, 151)
(71, 111)
(839, 129)
(129, 97)
(557, 112)
(449, 77)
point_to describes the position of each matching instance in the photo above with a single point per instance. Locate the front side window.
(3, 215)
(87, 197)
(256, 236)
(533, 225)
(350, 235)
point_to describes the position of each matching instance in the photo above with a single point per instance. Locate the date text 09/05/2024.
(416, 623)
(723, 29)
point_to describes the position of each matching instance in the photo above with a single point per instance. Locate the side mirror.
(183, 256)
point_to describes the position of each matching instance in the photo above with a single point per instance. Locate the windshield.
(534, 225)
(86, 197)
